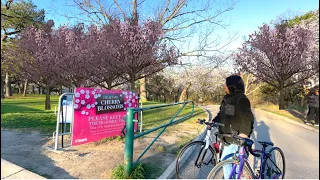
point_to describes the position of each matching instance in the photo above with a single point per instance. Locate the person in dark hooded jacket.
(313, 106)
(235, 110)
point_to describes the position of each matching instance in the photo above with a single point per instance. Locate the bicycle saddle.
(246, 142)
(266, 143)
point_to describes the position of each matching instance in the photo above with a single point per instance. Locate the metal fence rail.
(129, 140)
(62, 119)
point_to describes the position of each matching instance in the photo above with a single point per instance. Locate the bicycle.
(197, 151)
(239, 164)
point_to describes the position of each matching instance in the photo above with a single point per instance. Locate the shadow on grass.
(298, 114)
(44, 122)
(16, 108)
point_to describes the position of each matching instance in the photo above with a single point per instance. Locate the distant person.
(313, 106)
(235, 110)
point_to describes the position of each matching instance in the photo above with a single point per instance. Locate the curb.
(13, 171)
(170, 171)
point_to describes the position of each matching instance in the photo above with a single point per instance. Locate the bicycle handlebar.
(246, 142)
(212, 124)
(242, 141)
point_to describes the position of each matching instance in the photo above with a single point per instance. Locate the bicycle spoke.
(198, 162)
(274, 165)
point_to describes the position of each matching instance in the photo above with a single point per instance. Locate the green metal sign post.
(129, 139)
(128, 150)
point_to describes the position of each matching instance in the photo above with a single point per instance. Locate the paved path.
(12, 171)
(300, 145)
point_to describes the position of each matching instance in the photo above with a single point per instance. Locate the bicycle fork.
(205, 148)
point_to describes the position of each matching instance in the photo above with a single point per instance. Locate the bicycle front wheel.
(194, 161)
(274, 166)
(224, 168)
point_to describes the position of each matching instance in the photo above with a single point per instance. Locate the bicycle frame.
(243, 158)
(207, 140)
(263, 158)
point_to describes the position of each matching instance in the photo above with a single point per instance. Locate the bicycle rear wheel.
(193, 161)
(218, 172)
(274, 166)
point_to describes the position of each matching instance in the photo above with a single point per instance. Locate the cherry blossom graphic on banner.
(100, 113)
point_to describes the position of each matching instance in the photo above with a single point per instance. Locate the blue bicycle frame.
(242, 156)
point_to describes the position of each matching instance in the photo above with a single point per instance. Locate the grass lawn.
(155, 117)
(27, 113)
(294, 113)
(275, 109)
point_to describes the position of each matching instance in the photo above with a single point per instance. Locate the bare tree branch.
(161, 15)
(120, 9)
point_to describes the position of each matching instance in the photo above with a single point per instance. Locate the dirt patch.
(93, 160)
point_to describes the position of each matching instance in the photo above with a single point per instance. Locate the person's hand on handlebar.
(243, 135)
(211, 121)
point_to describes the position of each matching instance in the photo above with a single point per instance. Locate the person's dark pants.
(313, 114)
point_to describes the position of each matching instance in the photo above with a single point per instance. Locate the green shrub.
(138, 172)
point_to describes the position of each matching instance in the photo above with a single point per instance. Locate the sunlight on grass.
(275, 109)
(20, 112)
(155, 117)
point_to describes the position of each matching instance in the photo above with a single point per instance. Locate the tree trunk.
(2, 87)
(42, 90)
(183, 96)
(281, 98)
(135, 12)
(25, 87)
(133, 85)
(143, 92)
(19, 88)
(32, 89)
(109, 85)
(39, 89)
(176, 97)
(47, 103)
(60, 91)
(8, 85)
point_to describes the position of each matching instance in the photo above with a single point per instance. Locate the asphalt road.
(300, 145)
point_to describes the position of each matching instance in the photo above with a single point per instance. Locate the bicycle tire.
(217, 171)
(183, 165)
(266, 169)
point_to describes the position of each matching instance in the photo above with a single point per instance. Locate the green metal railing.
(128, 149)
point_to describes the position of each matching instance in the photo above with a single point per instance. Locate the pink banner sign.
(100, 113)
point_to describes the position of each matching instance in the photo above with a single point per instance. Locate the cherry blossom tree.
(197, 81)
(37, 57)
(116, 53)
(121, 52)
(144, 53)
(280, 56)
(76, 56)
(181, 22)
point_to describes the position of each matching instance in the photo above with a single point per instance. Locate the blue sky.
(245, 18)
(248, 15)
